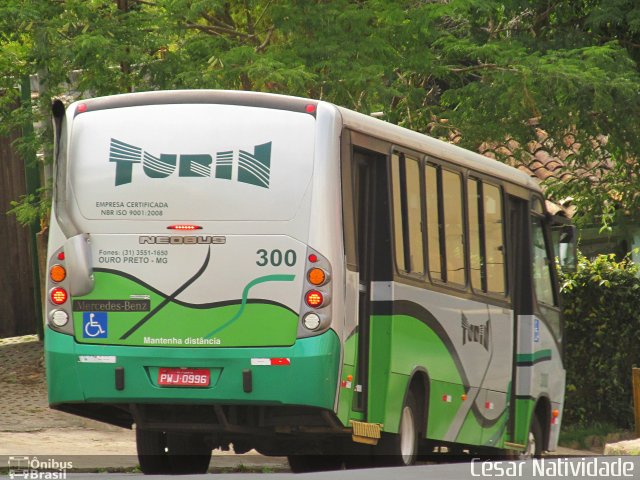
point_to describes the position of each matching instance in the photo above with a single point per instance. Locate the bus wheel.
(188, 453)
(402, 448)
(152, 454)
(534, 439)
(314, 463)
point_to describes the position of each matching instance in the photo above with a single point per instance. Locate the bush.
(602, 340)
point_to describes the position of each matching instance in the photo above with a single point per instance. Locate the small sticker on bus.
(97, 358)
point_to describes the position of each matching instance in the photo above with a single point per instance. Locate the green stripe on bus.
(245, 294)
(529, 358)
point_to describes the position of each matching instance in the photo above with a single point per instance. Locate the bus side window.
(453, 227)
(486, 234)
(433, 228)
(407, 213)
(445, 225)
(493, 227)
(476, 235)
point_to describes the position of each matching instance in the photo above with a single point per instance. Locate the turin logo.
(476, 333)
(254, 167)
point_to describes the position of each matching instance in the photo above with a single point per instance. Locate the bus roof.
(353, 120)
(437, 148)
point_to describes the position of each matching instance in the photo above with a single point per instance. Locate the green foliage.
(602, 340)
(485, 69)
(30, 209)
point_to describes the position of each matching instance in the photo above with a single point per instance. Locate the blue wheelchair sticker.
(536, 330)
(94, 325)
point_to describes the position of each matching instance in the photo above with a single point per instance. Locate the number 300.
(276, 257)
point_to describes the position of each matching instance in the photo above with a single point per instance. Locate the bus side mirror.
(564, 244)
(77, 251)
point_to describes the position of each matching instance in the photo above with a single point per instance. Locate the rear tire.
(152, 454)
(402, 448)
(188, 453)
(171, 453)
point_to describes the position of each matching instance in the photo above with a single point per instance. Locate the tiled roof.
(545, 159)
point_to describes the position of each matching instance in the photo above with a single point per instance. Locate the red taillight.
(310, 108)
(61, 256)
(81, 108)
(58, 296)
(314, 298)
(313, 258)
(186, 227)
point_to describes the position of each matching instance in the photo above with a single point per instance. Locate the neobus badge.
(183, 240)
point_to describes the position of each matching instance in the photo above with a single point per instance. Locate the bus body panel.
(540, 375)
(86, 373)
(243, 292)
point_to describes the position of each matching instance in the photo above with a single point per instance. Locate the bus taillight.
(57, 273)
(311, 321)
(185, 227)
(58, 296)
(317, 276)
(314, 298)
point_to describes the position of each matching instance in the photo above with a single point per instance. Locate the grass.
(592, 437)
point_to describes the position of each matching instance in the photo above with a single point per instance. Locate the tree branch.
(219, 31)
(260, 48)
(482, 66)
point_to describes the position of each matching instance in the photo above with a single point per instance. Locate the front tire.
(535, 439)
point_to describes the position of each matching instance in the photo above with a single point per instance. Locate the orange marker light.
(316, 276)
(555, 413)
(314, 298)
(464, 397)
(58, 296)
(349, 378)
(57, 273)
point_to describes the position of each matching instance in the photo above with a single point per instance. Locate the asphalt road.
(599, 467)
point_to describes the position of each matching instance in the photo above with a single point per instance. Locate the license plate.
(183, 377)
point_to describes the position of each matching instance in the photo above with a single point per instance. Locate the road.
(548, 468)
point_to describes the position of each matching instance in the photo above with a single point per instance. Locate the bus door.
(520, 286)
(370, 194)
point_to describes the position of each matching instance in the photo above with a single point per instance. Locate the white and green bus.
(288, 275)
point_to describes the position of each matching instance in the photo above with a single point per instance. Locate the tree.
(481, 70)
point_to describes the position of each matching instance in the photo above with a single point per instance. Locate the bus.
(286, 275)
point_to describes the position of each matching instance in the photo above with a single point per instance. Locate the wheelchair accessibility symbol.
(94, 325)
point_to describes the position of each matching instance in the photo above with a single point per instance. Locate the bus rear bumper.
(124, 375)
